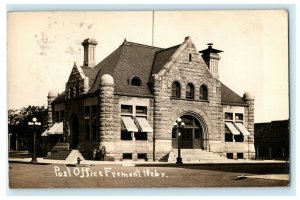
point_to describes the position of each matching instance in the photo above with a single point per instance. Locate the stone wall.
(167, 110)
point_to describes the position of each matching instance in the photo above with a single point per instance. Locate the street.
(23, 175)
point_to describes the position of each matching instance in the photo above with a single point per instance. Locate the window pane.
(141, 110)
(126, 109)
(228, 137)
(229, 116)
(126, 135)
(141, 136)
(203, 92)
(239, 138)
(238, 116)
(190, 91)
(136, 81)
(176, 90)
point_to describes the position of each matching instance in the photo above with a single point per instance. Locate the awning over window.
(242, 128)
(232, 129)
(144, 125)
(57, 128)
(128, 124)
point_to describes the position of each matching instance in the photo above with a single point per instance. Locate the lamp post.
(179, 125)
(34, 123)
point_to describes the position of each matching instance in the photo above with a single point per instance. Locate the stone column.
(249, 99)
(51, 96)
(106, 113)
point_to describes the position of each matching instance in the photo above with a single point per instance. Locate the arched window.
(135, 81)
(176, 89)
(203, 92)
(189, 91)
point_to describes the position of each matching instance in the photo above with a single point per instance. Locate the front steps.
(61, 151)
(195, 155)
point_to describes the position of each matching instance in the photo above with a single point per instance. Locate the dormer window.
(135, 81)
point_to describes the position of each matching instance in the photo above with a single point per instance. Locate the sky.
(41, 53)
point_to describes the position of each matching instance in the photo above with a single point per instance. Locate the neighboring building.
(129, 102)
(272, 140)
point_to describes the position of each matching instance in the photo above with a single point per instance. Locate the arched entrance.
(193, 135)
(74, 131)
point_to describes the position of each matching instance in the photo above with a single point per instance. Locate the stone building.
(128, 103)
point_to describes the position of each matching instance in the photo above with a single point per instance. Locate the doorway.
(74, 131)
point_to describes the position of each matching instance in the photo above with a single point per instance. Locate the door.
(187, 138)
(74, 132)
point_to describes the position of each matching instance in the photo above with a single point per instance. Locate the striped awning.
(57, 128)
(242, 128)
(143, 124)
(128, 124)
(232, 129)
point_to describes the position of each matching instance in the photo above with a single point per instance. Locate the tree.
(21, 133)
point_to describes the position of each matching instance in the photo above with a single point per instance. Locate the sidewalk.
(144, 163)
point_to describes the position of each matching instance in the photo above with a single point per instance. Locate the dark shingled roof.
(229, 97)
(162, 57)
(133, 59)
(130, 59)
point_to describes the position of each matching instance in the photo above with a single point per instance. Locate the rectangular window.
(239, 116)
(141, 136)
(190, 57)
(125, 135)
(229, 155)
(141, 110)
(142, 156)
(240, 156)
(228, 137)
(127, 156)
(239, 138)
(126, 109)
(228, 116)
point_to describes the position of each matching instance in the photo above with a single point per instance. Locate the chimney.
(89, 47)
(211, 58)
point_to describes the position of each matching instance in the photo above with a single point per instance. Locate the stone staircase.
(61, 151)
(195, 155)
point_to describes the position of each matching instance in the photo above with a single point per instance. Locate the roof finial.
(125, 41)
(75, 64)
(210, 45)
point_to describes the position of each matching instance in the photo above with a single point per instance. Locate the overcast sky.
(43, 46)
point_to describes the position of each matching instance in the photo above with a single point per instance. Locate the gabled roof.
(162, 57)
(133, 59)
(229, 97)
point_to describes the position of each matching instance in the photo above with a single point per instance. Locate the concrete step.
(74, 155)
(194, 155)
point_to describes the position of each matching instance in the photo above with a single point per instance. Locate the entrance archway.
(193, 135)
(74, 131)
